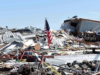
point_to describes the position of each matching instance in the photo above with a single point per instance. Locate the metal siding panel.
(88, 25)
(67, 26)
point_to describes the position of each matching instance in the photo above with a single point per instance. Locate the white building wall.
(88, 25)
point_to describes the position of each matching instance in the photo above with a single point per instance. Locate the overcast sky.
(22, 13)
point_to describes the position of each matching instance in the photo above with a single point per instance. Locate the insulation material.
(45, 47)
(58, 41)
(27, 43)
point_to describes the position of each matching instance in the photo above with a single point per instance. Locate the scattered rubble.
(26, 51)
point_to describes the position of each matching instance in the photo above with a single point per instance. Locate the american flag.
(48, 31)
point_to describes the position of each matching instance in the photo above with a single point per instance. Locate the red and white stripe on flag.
(48, 32)
(50, 37)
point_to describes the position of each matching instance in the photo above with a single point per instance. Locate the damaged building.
(26, 52)
(82, 27)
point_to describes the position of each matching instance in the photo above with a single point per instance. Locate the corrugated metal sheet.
(89, 25)
(10, 37)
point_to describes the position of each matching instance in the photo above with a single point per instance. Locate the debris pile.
(75, 68)
(26, 51)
